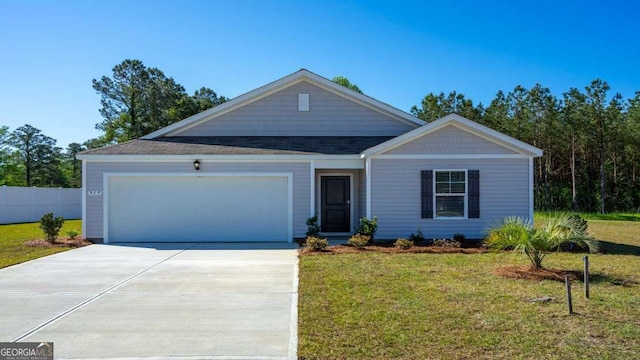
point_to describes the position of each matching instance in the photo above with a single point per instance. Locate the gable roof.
(462, 123)
(289, 80)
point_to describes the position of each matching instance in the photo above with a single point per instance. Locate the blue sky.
(51, 50)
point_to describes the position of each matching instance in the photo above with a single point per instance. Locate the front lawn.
(451, 306)
(13, 237)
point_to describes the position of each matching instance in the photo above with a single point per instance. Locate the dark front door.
(335, 204)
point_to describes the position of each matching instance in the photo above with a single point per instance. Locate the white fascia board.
(339, 164)
(461, 123)
(221, 158)
(84, 199)
(449, 156)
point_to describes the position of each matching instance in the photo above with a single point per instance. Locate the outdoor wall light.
(196, 165)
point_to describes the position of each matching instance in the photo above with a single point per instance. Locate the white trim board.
(449, 156)
(84, 199)
(218, 158)
(108, 175)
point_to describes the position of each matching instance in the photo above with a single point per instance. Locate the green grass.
(450, 306)
(12, 239)
(595, 216)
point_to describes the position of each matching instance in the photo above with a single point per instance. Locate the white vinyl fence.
(24, 204)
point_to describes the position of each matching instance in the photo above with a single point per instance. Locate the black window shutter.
(427, 194)
(474, 194)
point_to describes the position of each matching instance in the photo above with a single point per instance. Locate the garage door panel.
(220, 208)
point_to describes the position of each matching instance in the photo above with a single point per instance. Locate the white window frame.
(465, 195)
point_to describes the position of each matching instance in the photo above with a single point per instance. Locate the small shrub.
(315, 243)
(313, 229)
(459, 237)
(72, 234)
(368, 227)
(448, 243)
(51, 226)
(359, 240)
(418, 237)
(403, 244)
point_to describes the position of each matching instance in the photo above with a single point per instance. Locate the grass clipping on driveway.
(24, 242)
(452, 306)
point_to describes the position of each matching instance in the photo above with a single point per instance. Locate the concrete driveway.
(197, 300)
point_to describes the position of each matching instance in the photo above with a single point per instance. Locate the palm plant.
(536, 243)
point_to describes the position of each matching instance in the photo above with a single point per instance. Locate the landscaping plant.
(448, 243)
(51, 226)
(536, 243)
(315, 243)
(403, 244)
(72, 234)
(418, 237)
(313, 229)
(368, 227)
(359, 240)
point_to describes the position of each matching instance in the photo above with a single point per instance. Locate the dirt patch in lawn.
(390, 249)
(530, 273)
(60, 242)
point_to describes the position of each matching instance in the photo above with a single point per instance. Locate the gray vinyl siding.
(395, 197)
(450, 140)
(277, 114)
(356, 192)
(95, 171)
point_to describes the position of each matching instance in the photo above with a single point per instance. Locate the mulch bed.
(530, 273)
(60, 242)
(390, 249)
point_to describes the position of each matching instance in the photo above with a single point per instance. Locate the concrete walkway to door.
(183, 300)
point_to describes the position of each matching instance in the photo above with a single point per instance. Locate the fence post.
(586, 276)
(567, 282)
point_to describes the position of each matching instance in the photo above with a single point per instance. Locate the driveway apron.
(182, 300)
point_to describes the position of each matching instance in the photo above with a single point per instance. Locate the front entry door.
(335, 204)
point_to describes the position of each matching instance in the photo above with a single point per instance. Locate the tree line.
(590, 137)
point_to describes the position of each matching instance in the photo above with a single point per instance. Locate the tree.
(574, 120)
(341, 80)
(96, 143)
(137, 100)
(122, 100)
(434, 107)
(10, 173)
(536, 243)
(72, 166)
(596, 101)
(38, 155)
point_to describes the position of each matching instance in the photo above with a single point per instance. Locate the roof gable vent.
(303, 102)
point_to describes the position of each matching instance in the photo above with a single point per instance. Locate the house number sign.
(94, 192)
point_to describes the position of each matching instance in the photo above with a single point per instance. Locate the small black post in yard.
(567, 282)
(586, 276)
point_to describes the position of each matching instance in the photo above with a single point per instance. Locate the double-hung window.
(450, 194)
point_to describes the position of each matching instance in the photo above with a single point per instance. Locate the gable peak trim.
(462, 123)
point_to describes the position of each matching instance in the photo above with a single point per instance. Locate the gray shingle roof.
(243, 145)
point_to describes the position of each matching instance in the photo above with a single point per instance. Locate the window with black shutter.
(450, 194)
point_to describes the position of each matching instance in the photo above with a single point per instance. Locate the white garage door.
(203, 209)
